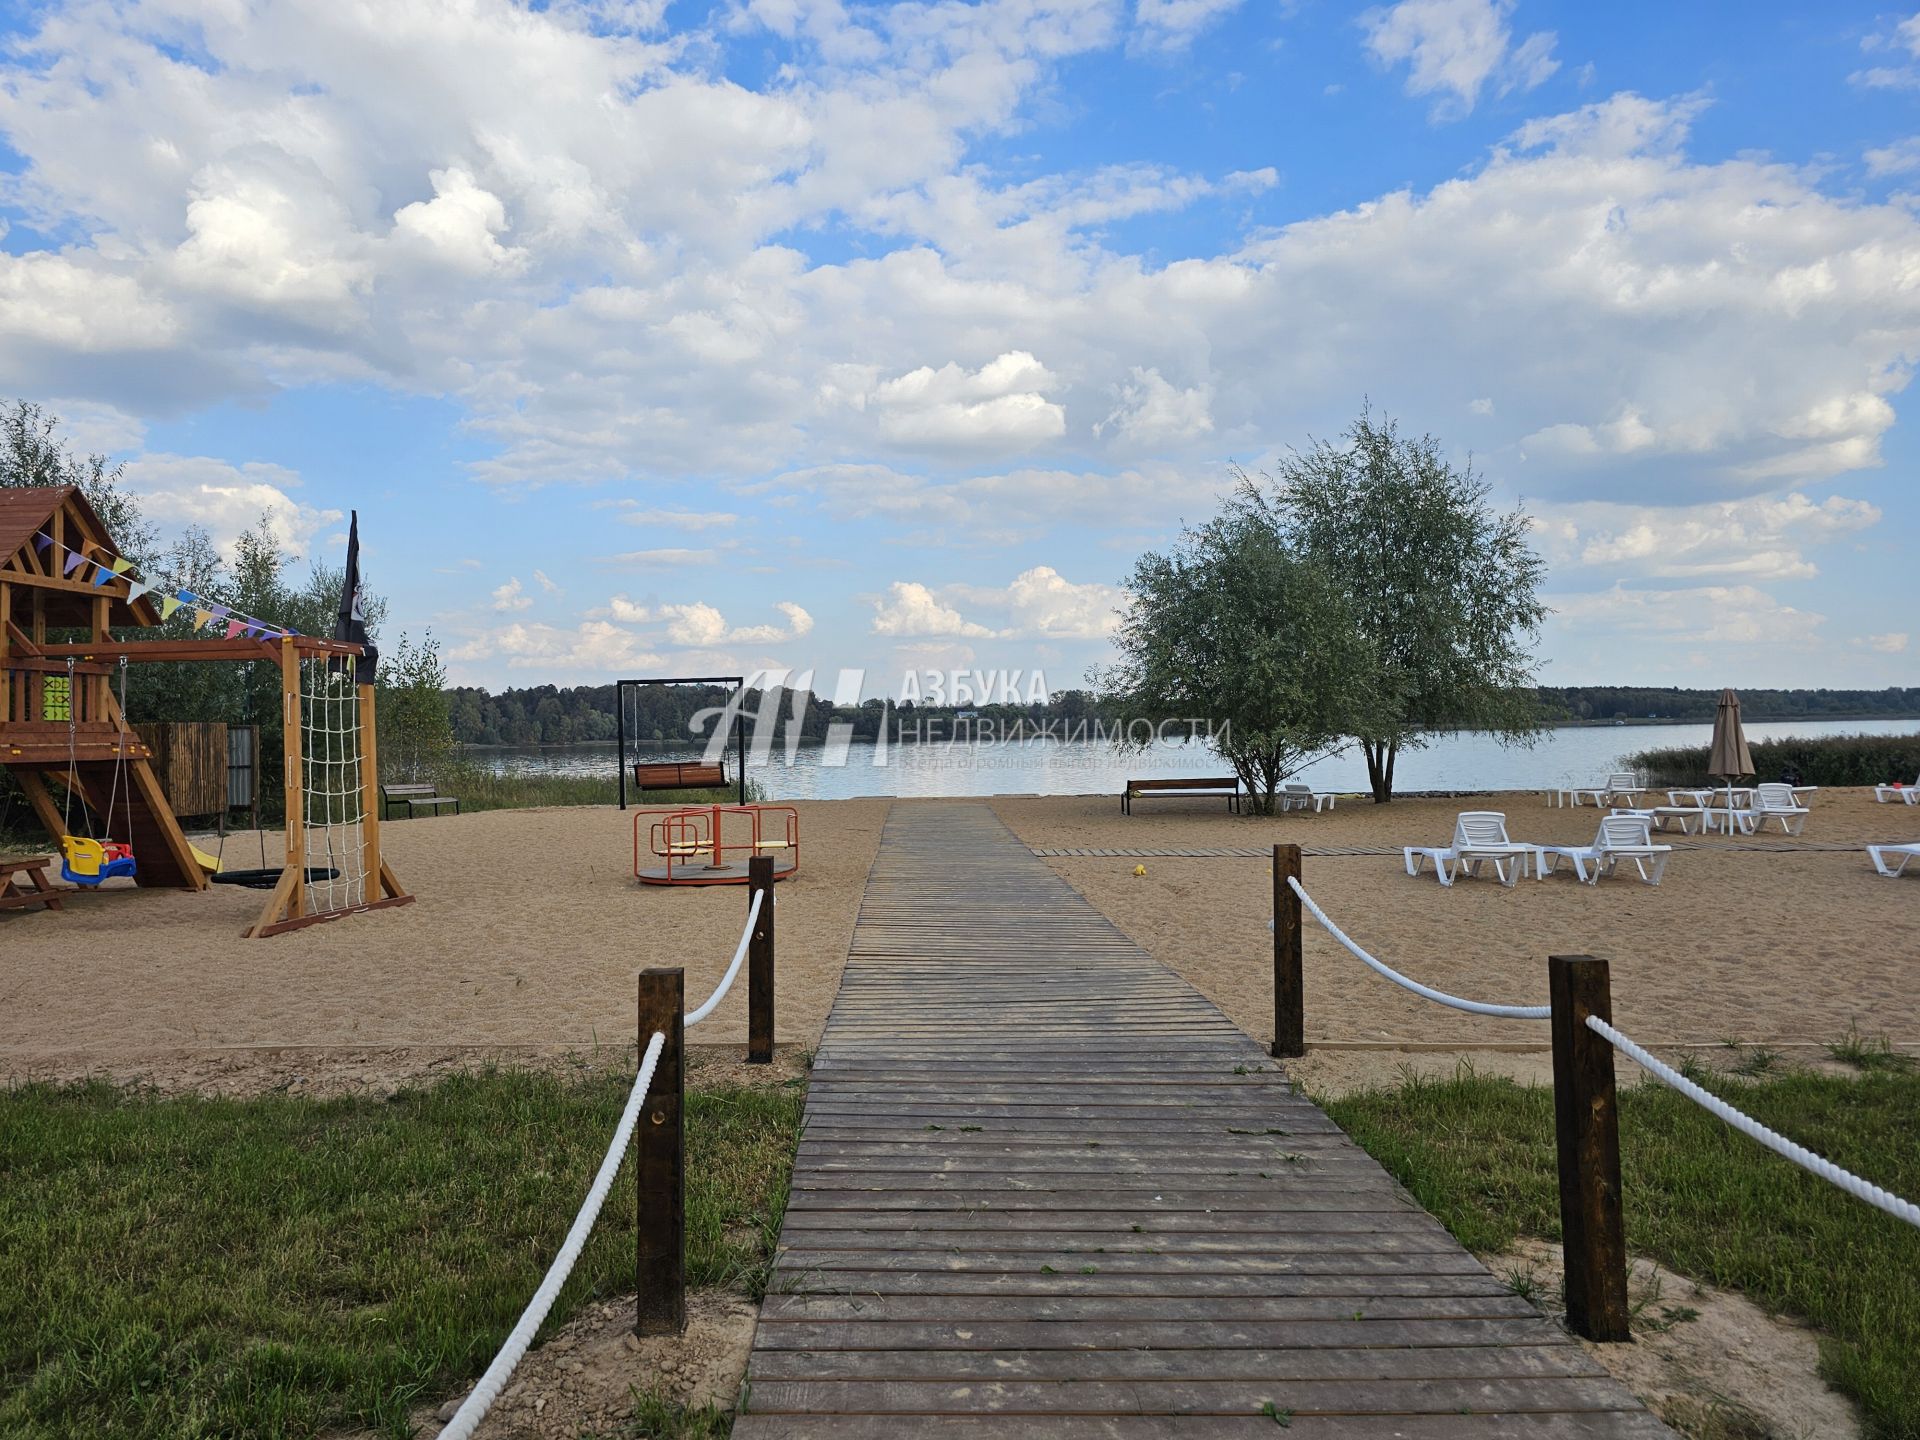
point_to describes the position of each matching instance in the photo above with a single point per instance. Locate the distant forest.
(659, 714)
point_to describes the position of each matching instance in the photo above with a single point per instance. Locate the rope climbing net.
(332, 786)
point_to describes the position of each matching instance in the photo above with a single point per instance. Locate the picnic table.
(34, 867)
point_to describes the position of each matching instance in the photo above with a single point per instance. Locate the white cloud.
(509, 597)
(1895, 159)
(594, 646)
(697, 624)
(459, 226)
(1041, 603)
(1765, 539)
(545, 584)
(1708, 615)
(1173, 24)
(1902, 75)
(226, 500)
(1151, 411)
(668, 556)
(909, 610)
(1001, 406)
(1894, 642)
(679, 519)
(1456, 48)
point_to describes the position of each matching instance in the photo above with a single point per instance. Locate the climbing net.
(333, 797)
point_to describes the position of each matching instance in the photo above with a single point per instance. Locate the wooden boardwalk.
(1046, 1190)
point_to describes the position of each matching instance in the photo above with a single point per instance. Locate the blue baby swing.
(83, 859)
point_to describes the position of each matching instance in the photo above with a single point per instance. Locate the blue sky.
(655, 339)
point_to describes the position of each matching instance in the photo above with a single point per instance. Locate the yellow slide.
(205, 861)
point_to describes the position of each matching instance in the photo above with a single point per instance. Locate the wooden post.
(295, 777)
(1289, 997)
(760, 963)
(369, 794)
(1587, 1127)
(660, 1166)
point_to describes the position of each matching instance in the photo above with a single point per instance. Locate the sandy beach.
(529, 928)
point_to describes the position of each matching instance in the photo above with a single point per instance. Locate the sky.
(675, 339)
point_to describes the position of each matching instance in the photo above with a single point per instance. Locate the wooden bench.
(675, 775)
(1228, 786)
(34, 867)
(414, 797)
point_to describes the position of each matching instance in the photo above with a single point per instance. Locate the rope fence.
(1472, 1007)
(1833, 1174)
(1586, 1120)
(660, 1165)
(474, 1409)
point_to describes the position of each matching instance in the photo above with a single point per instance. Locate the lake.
(1578, 754)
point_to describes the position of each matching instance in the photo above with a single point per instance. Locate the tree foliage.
(1443, 587)
(33, 452)
(415, 717)
(1232, 625)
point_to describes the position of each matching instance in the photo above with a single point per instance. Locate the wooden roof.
(27, 511)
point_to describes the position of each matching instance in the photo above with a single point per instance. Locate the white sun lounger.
(1623, 784)
(1890, 860)
(1304, 797)
(1775, 801)
(1621, 837)
(1664, 817)
(1908, 793)
(1479, 836)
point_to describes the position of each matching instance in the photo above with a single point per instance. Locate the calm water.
(1059, 767)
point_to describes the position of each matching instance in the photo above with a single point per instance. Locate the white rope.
(1472, 1007)
(474, 1408)
(694, 1017)
(1848, 1181)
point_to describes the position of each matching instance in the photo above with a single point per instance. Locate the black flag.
(351, 626)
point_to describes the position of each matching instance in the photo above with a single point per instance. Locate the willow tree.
(1232, 628)
(1443, 586)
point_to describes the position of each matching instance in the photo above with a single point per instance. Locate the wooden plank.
(1046, 1189)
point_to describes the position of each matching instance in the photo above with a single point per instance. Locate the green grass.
(192, 1267)
(1702, 1199)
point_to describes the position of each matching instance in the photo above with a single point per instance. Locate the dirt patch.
(584, 1379)
(1708, 1361)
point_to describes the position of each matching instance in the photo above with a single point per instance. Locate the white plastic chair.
(1881, 854)
(1774, 801)
(1295, 795)
(1621, 837)
(1479, 837)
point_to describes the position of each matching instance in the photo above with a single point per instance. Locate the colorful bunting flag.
(168, 604)
(135, 589)
(43, 541)
(122, 565)
(101, 574)
(201, 619)
(74, 561)
(234, 627)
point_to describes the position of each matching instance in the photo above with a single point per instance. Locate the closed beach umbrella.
(1729, 759)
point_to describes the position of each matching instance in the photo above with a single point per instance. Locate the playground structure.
(712, 844)
(62, 723)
